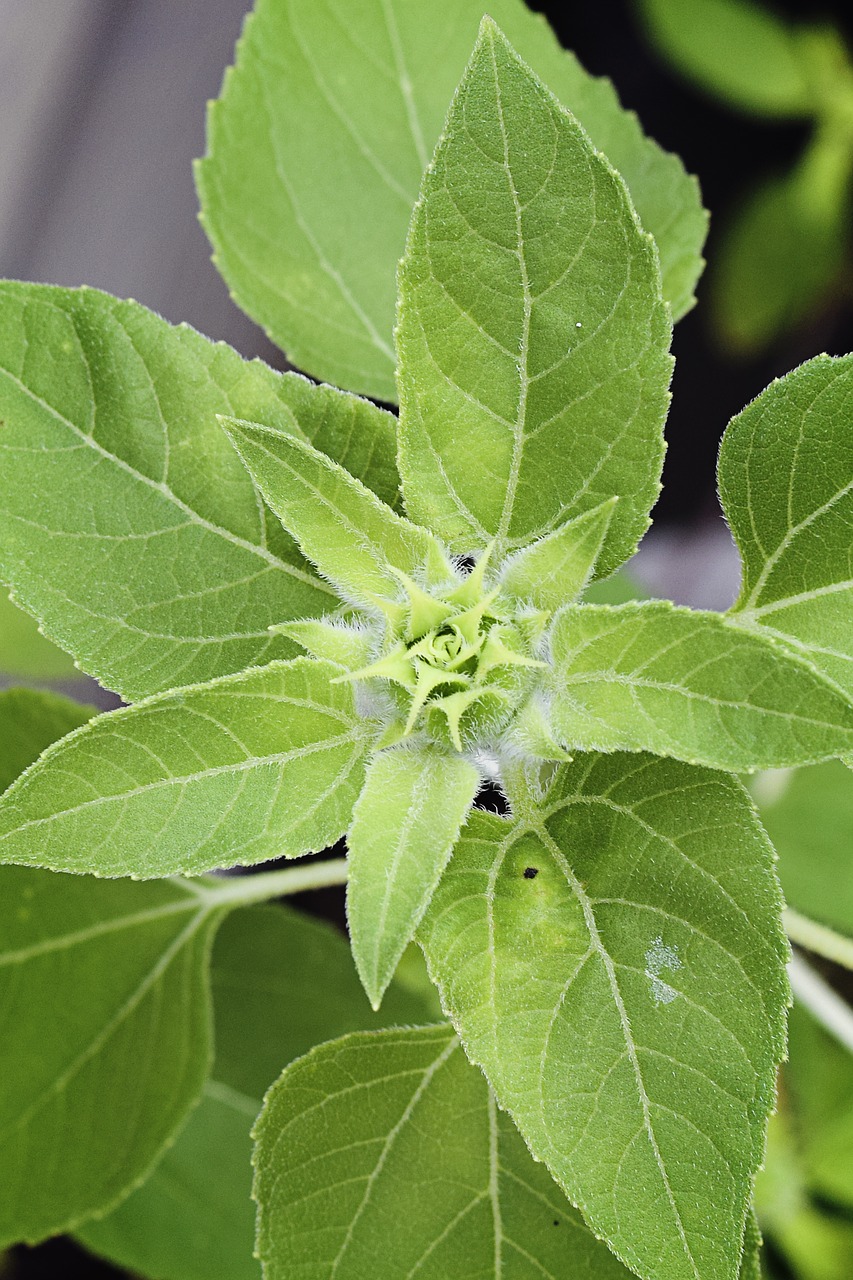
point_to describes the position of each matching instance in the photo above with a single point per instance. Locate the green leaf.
(308, 213)
(107, 409)
(615, 962)
(345, 530)
(786, 484)
(332, 640)
(750, 1263)
(653, 677)
(555, 373)
(24, 651)
(384, 1154)
(808, 814)
(785, 251)
(104, 1039)
(29, 722)
(820, 1078)
(737, 49)
(250, 767)
(406, 822)
(555, 570)
(281, 983)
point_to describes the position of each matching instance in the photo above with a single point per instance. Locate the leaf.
(347, 646)
(29, 722)
(555, 570)
(104, 1039)
(127, 525)
(615, 962)
(820, 1078)
(688, 684)
(405, 824)
(741, 52)
(281, 982)
(25, 653)
(808, 814)
(782, 257)
(308, 213)
(350, 535)
(383, 1154)
(786, 484)
(554, 373)
(750, 1263)
(250, 767)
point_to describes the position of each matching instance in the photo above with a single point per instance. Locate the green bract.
(331, 622)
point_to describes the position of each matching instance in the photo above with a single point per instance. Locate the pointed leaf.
(331, 640)
(281, 983)
(105, 408)
(555, 375)
(653, 677)
(615, 961)
(350, 535)
(104, 1039)
(553, 571)
(786, 484)
(29, 722)
(308, 213)
(405, 825)
(250, 767)
(384, 1154)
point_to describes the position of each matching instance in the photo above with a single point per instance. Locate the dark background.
(102, 110)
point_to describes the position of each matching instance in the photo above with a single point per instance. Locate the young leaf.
(341, 526)
(555, 570)
(24, 651)
(250, 767)
(107, 409)
(384, 1154)
(652, 677)
(531, 333)
(616, 964)
(786, 484)
(405, 824)
(308, 214)
(104, 1042)
(29, 722)
(281, 983)
(331, 640)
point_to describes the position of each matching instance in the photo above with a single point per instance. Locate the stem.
(242, 890)
(823, 1003)
(819, 939)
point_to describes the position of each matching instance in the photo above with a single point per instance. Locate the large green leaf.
(405, 825)
(532, 335)
(615, 962)
(307, 211)
(786, 483)
(281, 983)
(104, 1038)
(128, 525)
(29, 722)
(243, 769)
(384, 1155)
(350, 535)
(24, 651)
(682, 683)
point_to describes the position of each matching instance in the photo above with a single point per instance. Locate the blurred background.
(102, 112)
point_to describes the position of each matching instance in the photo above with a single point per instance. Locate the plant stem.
(242, 890)
(823, 1003)
(819, 939)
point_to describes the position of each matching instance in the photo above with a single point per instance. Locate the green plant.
(785, 255)
(227, 548)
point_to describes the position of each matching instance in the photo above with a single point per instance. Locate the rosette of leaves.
(332, 622)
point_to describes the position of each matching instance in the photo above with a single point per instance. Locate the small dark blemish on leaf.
(530, 873)
(556, 1222)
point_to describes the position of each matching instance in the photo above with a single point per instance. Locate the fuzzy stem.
(242, 890)
(822, 1002)
(819, 939)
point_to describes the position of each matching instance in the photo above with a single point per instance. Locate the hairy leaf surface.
(551, 572)
(250, 767)
(786, 484)
(128, 526)
(689, 684)
(617, 966)
(406, 822)
(532, 334)
(308, 214)
(281, 983)
(385, 1155)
